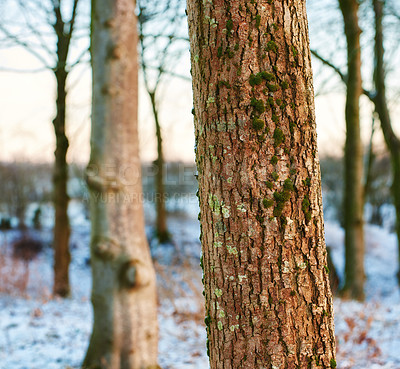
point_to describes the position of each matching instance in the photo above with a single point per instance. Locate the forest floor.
(38, 332)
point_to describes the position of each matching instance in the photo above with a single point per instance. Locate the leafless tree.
(163, 40)
(51, 31)
(375, 85)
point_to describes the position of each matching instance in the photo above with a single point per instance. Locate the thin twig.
(342, 76)
(27, 71)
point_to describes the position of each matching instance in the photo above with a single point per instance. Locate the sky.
(27, 108)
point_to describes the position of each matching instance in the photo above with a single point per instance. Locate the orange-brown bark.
(268, 301)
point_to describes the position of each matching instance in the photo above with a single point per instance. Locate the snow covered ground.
(368, 334)
(37, 332)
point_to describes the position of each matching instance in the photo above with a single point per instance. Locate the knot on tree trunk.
(135, 274)
(100, 183)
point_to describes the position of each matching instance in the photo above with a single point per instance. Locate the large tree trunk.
(353, 159)
(62, 256)
(160, 196)
(381, 107)
(125, 331)
(268, 301)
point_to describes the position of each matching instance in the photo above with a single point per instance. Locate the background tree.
(377, 92)
(125, 330)
(381, 107)
(163, 40)
(47, 31)
(264, 255)
(353, 158)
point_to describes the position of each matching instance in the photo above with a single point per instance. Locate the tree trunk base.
(333, 276)
(352, 293)
(163, 236)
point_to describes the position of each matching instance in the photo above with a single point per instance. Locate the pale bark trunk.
(125, 332)
(353, 159)
(268, 301)
(381, 107)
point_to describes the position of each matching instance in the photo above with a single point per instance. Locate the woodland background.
(54, 332)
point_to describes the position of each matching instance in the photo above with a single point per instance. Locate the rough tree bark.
(268, 301)
(353, 159)
(125, 332)
(381, 107)
(62, 255)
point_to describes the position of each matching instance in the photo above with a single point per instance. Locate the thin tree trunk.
(266, 283)
(369, 162)
(160, 196)
(62, 256)
(125, 331)
(334, 280)
(381, 107)
(353, 159)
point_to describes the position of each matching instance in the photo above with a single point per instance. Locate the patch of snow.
(38, 333)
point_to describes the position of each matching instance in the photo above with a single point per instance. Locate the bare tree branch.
(79, 59)
(170, 36)
(72, 85)
(39, 36)
(24, 71)
(26, 46)
(172, 74)
(393, 12)
(165, 53)
(342, 76)
(73, 18)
